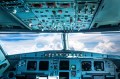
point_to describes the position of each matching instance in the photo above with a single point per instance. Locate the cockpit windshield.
(99, 43)
(26, 43)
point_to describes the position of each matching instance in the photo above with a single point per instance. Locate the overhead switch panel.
(53, 15)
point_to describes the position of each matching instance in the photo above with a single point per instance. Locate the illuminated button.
(52, 55)
(73, 67)
(46, 55)
(74, 54)
(56, 54)
(49, 54)
(70, 54)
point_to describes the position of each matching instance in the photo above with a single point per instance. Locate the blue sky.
(25, 43)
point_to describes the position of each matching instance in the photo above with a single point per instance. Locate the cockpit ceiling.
(52, 16)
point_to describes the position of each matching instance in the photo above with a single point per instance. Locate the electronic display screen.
(44, 65)
(64, 75)
(31, 65)
(64, 65)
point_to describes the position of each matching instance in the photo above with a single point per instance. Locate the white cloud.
(106, 47)
(76, 45)
(51, 42)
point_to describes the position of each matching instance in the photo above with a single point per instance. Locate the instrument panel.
(64, 69)
(31, 67)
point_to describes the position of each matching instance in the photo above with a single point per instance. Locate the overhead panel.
(53, 15)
